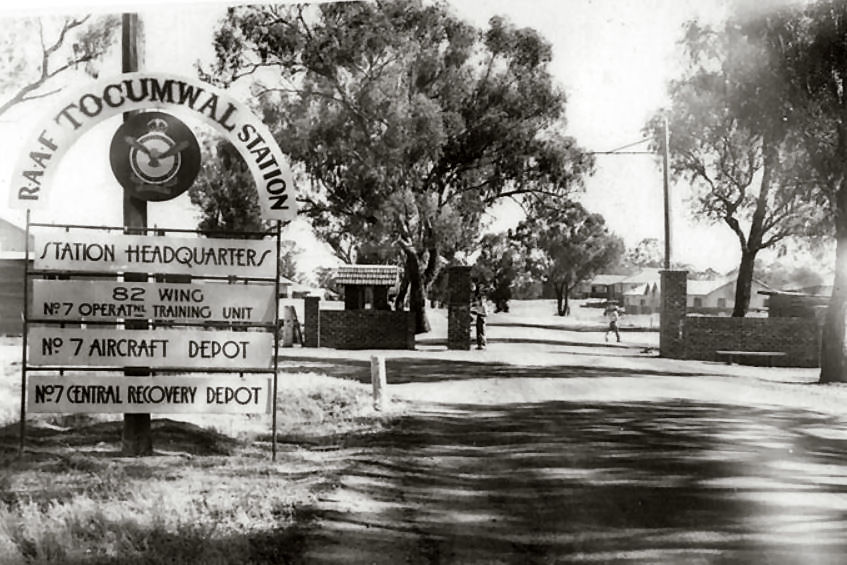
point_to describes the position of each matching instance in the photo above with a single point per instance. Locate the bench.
(733, 356)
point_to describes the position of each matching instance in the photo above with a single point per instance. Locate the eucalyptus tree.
(565, 245)
(730, 140)
(35, 51)
(811, 41)
(498, 267)
(406, 122)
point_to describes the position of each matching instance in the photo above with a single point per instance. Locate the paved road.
(554, 447)
(557, 482)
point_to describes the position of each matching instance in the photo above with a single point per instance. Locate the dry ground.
(550, 446)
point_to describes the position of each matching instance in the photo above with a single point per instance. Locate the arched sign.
(83, 108)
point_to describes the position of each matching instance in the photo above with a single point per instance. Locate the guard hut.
(367, 321)
(366, 286)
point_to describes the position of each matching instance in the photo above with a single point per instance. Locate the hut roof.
(368, 275)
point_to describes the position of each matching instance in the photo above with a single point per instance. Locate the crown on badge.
(157, 124)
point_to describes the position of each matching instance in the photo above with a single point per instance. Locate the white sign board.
(91, 252)
(197, 349)
(146, 395)
(84, 300)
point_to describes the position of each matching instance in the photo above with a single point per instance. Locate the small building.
(615, 287)
(12, 269)
(13, 237)
(792, 304)
(367, 321)
(605, 286)
(648, 276)
(817, 290)
(718, 296)
(643, 299)
(366, 286)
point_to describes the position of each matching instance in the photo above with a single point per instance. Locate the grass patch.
(86, 507)
(210, 494)
(239, 520)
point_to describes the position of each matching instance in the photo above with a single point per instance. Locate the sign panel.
(154, 156)
(160, 395)
(82, 300)
(87, 251)
(197, 349)
(78, 110)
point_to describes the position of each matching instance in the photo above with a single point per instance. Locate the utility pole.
(665, 179)
(137, 438)
(666, 186)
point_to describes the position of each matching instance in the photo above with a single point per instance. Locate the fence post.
(378, 381)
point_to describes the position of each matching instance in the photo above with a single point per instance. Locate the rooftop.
(644, 276)
(642, 289)
(607, 279)
(702, 288)
(368, 275)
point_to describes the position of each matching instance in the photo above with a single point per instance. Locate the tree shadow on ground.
(592, 328)
(103, 439)
(555, 482)
(401, 370)
(567, 343)
(665, 482)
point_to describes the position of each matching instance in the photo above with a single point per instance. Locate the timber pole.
(137, 438)
(666, 192)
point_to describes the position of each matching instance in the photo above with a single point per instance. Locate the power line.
(628, 145)
(621, 152)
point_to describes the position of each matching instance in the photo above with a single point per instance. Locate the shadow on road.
(561, 482)
(401, 370)
(590, 328)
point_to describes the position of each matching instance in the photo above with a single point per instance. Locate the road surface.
(548, 452)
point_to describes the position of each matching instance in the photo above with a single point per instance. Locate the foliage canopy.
(407, 122)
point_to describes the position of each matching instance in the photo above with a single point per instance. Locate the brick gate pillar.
(312, 322)
(674, 296)
(459, 308)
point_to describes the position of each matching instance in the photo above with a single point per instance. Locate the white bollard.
(287, 326)
(379, 383)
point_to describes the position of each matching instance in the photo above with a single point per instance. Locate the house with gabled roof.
(601, 286)
(617, 287)
(718, 296)
(643, 299)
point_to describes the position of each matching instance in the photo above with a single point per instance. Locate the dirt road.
(565, 452)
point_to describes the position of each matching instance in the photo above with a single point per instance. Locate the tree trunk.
(400, 299)
(833, 355)
(417, 290)
(744, 283)
(560, 299)
(567, 309)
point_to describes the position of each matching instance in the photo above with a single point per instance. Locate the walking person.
(614, 316)
(478, 309)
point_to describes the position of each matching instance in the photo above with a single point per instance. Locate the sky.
(612, 57)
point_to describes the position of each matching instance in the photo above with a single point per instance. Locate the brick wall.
(367, 329)
(459, 308)
(798, 337)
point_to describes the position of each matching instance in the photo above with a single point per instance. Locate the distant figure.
(478, 309)
(613, 315)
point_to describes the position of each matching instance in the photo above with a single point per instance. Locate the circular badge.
(155, 156)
